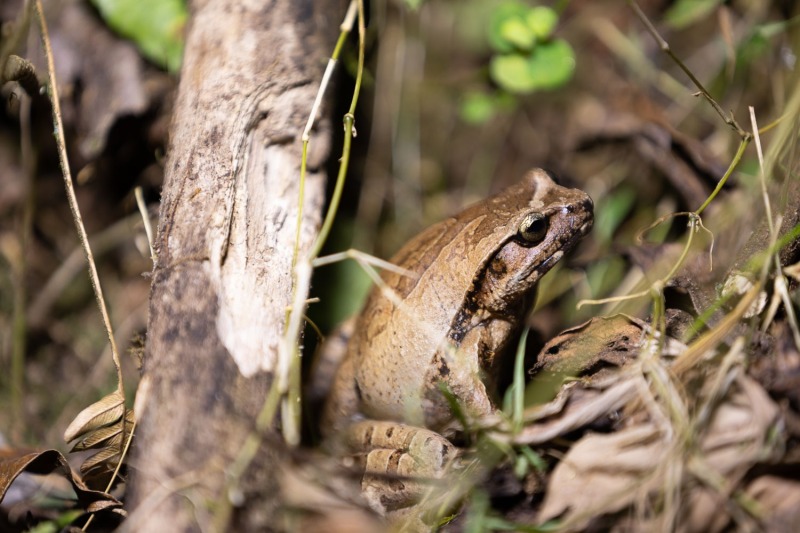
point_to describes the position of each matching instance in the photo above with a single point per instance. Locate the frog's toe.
(400, 463)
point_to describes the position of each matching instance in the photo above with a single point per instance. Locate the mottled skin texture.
(450, 324)
(476, 278)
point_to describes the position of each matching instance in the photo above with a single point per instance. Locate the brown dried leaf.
(738, 435)
(610, 340)
(602, 474)
(779, 499)
(109, 436)
(106, 460)
(23, 72)
(98, 469)
(104, 505)
(110, 71)
(102, 413)
(14, 462)
(687, 163)
(602, 342)
(597, 350)
(575, 407)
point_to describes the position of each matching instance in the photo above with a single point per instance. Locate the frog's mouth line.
(563, 242)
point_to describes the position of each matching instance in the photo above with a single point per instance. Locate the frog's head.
(546, 222)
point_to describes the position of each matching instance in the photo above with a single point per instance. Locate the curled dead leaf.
(108, 436)
(603, 474)
(97, 469)
(779, 501)
(102, 413)
(15, 462)
(580, 406)
(602, 340)
(111, 441)
(102, 426)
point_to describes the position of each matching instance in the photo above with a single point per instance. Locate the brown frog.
(450, 325)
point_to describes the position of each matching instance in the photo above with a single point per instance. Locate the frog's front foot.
(400, 463)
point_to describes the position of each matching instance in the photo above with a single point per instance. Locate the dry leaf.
(104, 461)
(15, 462)
(612, 340)
(738, 435)
(581, 406)
(101, 413)
(108, 436)
(101, 426)
(595, 350)
(111, 440)
(105, 505)
(602, 474)
(779, 501)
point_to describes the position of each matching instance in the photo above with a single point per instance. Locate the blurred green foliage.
(156, 26)
(527, 57)
(478, 107)
(686, 12)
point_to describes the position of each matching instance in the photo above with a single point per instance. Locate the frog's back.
(396, 339)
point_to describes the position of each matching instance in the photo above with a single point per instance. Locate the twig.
(349, 133)
(721, 183)
(762, 179)
(71, 198)
(781, 292)
(664, 45)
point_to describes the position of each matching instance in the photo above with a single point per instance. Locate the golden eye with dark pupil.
(533, 228)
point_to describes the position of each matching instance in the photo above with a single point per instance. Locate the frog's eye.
(533, 228)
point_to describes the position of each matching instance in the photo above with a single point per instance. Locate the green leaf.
(515, 31)
(477, 108)
(520, 467)
(518, 399)
(512, 73)
(534, 459)
(541, 21)
(501, 16)
(617, 206)
(552, 64)
(685, 12)
(156, 26)
(751, 49)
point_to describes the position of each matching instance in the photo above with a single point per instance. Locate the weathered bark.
(222, 281)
